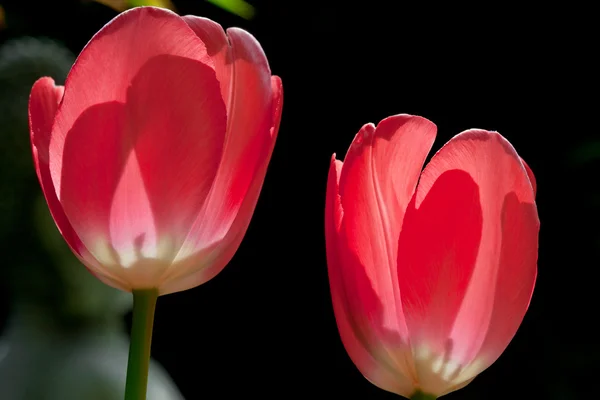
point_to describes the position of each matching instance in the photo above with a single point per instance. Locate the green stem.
(418, 395)
(144, 304)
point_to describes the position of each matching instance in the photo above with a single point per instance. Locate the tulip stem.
(144, 304)
(418, 395)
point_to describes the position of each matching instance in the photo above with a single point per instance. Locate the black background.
(265, 326)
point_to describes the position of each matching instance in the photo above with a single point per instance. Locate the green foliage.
(585, 153)
(122, 5)
(240, 8)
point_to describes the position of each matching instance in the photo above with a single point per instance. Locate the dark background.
(265, 326)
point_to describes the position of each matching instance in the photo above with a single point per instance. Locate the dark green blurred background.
(265, 325)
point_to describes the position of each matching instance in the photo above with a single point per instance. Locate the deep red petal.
(437, 251)
(453, 248)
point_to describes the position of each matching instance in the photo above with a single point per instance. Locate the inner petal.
(176, 118)
(132, 228)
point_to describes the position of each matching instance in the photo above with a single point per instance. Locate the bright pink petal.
(91, 169)
(379, 176)
(134, 171)
(43, 103)
(437, 251)
(353, 324)
(175, 109)
(212, 260)
(140, 172)
(452, 250)
(249, 123)
(218, 48)
(114, 56)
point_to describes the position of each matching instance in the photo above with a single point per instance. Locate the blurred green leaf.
(587, 152)
(154, 3)
(240, 8)
(122, 5)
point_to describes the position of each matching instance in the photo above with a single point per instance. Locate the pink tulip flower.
(152, 156)
(431, 272)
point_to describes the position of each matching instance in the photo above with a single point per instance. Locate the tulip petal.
(218, 48)
(213, 259)
(133, 169)
(379, 176)
(106, 67)
(132, 164)
(531, 176)
(180, 124)
(353, 325)
(437, 251)
(455, 250)
(43, 103)
(250, 119)
(107, 59)
(517, 272)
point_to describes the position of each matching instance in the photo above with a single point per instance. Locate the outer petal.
(218, 48)
(204, 265)
(455, 254)
(531, 176)
(107, 65)
(517, 271)
(354, 329)
(378, 179)
(43, 103)
(150, 137)
(244, 72)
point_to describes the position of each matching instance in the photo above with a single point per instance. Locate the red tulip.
(153, 155)
(431, 272)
